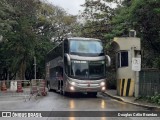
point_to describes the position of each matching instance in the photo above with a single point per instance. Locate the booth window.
(122, 59)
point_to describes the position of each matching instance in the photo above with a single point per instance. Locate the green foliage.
(120, 22)
(97, 15)
(155, 99)
(145, 15)
(105, 23)
(27, 27)
(142, 16)
(111, 80)
(151, 99)
(148, 98)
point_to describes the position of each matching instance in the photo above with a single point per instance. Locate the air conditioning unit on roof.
(132, 33)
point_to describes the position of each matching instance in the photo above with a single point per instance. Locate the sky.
(70, 6)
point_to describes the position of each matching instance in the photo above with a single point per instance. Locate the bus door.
(59, 78)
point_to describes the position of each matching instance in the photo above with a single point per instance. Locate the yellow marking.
(125, 87)
(131, 89)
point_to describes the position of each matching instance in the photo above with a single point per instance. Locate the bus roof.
(73, 38)
(82, 38)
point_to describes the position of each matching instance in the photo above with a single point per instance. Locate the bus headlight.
(72, 88)
(102, 83)
(73, 83)
(103, 88)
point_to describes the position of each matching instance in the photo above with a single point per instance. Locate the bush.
(155, 99)
(152, 99)
(111, 80)
(159, 101)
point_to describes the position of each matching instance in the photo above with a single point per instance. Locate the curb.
(133, 103)
(114, 97)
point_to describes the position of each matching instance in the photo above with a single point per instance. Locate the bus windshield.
(86, 46)
(87, 69)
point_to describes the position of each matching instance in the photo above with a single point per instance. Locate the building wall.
(125, 43)
(126, 77)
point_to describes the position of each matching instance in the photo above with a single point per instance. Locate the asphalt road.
(64, 105)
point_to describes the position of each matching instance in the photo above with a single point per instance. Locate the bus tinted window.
(96, 69)
(79, 69)
(86, 46)
(87, 69)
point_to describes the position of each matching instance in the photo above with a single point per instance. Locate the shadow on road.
(80, 95)
(77, 95)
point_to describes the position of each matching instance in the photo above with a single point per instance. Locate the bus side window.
(65, 65)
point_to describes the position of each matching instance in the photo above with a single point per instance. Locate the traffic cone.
(3, 86)
(34, 87)
(42, 88)
(19, 86)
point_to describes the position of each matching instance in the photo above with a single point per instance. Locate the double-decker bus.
(77, 65)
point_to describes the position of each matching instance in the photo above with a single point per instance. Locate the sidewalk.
(131, 100)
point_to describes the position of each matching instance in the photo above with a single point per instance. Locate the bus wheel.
(92, 94)
(49, 87)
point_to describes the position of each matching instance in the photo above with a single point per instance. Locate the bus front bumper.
(83, 87)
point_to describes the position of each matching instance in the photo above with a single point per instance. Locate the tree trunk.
(22, 69)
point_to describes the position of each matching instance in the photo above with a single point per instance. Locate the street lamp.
(34, 67)
(1, 40)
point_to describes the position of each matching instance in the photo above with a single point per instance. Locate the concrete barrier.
(125, 87)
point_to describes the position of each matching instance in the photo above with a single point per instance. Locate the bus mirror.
(108, 61)
(68, 59)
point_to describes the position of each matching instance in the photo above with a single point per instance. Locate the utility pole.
(34, 67)
(1, 38)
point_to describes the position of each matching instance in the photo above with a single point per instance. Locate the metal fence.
(149, 82)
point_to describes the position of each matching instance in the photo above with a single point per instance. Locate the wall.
(126, 77)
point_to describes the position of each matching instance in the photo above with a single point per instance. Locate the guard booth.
(128, 65)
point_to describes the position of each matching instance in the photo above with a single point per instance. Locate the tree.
(143, 16)
(98, 15)
(21, 38)
(120, 22)
(27, 27)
